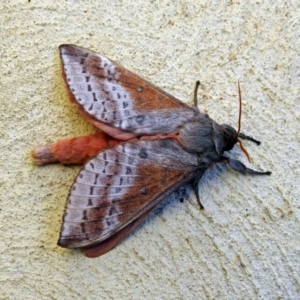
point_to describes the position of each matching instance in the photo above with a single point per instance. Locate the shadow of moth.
(149, 145)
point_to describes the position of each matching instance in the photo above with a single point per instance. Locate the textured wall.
(245, 244)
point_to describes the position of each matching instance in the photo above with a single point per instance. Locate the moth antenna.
(249, 138)
(244, 150)
(240, 123)
(195, 93)
(239, 133)
(240, 108)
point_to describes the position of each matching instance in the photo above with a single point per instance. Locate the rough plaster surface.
(246, 243)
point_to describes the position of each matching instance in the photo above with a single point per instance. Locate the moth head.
(230, 137)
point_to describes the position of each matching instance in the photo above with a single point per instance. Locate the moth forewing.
(116, 97)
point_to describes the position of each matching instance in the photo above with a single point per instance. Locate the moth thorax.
(196, 136)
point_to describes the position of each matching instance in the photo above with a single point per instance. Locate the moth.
(149, 144)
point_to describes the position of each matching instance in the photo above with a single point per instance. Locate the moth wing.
(120, 185)
(102, 247)
(118, 101)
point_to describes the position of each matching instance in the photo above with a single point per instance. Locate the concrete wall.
(246, 243)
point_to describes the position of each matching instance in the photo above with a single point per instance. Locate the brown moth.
(149, 145)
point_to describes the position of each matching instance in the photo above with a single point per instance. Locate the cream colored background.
(246, 244)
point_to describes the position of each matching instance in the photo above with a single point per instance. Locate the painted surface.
(245, 245)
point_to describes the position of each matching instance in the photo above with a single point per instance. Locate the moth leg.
(73, 151)
(238, 166)
(195, 93)
(249, 138)
(195, 187)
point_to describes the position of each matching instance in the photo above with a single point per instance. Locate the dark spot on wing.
(143, 191)
(112, 211)
(143, 153)
(140, 119)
